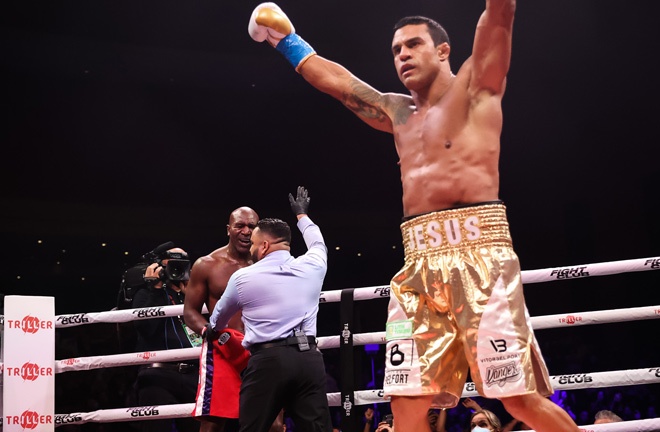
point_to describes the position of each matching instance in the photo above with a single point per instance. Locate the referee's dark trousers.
(279, 377)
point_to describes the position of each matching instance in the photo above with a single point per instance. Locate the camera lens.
(178, 270)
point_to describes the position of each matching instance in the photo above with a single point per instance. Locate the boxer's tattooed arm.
(366, 102)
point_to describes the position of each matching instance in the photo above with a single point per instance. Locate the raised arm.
(269, 23)
(371, 106)
(316, 248)
(491, 52)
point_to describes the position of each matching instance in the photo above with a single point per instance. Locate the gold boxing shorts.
(458, 303)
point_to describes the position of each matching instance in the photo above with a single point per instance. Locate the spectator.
(437, 420)
(606, 416)
(368, 419)
(485, 420)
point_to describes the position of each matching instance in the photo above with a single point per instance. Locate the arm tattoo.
(401, 114)
(364, 102)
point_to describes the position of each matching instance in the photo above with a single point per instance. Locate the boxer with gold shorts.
(458, 304)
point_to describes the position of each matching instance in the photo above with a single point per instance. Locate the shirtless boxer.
(220, 366)
(458, 301)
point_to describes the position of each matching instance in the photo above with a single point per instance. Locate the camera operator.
(163, 383)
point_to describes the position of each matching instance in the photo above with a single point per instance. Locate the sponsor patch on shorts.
(402, 373)
(399, 330)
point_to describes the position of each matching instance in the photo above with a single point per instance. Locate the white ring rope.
(329, 342)
(119, 316)
(368, 397)
(182, 410)
(561, 382)
(538, 323)
(587, 270)
(649, 375)
(378, 291)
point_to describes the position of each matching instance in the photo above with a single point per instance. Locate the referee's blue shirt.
(277, 294)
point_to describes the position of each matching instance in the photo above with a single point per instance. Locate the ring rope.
(176, 411)
(368, 397)
(373, 292)
(329, 342)
(364, 397)
(587, 270)
(561, 382)
(538, 323)
(550, 274)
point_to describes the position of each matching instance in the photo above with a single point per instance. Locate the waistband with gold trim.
(456, 228)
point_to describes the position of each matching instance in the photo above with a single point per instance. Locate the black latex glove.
(300, 204)
(211, 335)
(208, 333)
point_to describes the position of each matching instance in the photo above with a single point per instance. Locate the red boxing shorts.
(219, 375)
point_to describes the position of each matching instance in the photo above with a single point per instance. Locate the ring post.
(28, 353)
(349, 417)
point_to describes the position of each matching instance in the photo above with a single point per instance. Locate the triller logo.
(70, 361)
(29, 419)
(346, 333)
(30, 371)
(30, 324)
(347, 405)
(570, 319)
(147, 355)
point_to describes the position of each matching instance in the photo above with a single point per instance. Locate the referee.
(279, 297)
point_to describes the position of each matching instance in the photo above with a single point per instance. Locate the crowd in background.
(630, 403)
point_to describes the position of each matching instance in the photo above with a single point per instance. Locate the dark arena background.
(127, 124)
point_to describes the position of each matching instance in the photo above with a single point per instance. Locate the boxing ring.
(348, 398)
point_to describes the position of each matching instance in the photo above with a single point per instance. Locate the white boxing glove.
(269, 23)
